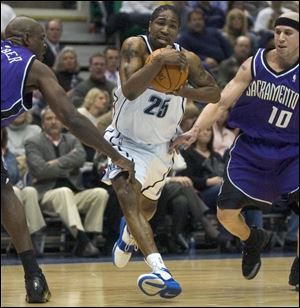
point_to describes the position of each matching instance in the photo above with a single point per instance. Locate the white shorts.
(152, 162)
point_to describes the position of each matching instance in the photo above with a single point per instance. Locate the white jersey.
(151, 118)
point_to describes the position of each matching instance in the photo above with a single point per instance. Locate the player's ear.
(26, 38)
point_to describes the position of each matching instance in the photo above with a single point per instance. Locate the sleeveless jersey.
(151, 118)
(15, 64)
(268, 109)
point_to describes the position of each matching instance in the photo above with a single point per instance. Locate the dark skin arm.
(204, 87)
(42, 78)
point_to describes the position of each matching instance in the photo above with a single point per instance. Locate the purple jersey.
(15, 64)
(264, 160)
(268, 109)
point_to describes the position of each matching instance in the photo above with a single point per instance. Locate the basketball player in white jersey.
(144, 123)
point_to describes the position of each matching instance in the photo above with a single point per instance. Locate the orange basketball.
(170, 78)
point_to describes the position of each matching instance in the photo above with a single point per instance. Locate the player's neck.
(287, 62)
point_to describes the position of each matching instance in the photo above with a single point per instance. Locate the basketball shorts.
(152, 162)
(254, 175)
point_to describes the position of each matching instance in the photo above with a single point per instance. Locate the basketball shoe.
(251, 261)
(124, 246)
(294, 274)
(37, 290)
(159, 282)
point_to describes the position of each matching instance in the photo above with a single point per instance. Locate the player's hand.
(184, 140)
(128, 166)
(172, 56)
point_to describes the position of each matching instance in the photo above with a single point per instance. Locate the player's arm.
(204, 87)
(135, 76)
(42, 78)
(212, 112)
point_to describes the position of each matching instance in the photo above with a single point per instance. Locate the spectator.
(267, 16)
(205, 168)
(95, 104)
(237, 25)
(26, 194)
(18, 132)
(229, 67)
(223, 136)
(112, 55)
(213, 15)
(53, 35)
(67, 68)
(208, 43)
(54, 159)
(97, 79)
(131, 13)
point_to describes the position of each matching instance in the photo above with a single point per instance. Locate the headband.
(284, 21)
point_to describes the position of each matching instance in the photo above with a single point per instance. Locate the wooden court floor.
(205, 283)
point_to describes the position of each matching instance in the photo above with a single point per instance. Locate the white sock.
(155, 261)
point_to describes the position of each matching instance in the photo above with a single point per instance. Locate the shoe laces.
(131, 243)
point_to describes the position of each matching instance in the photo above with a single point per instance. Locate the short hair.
(163, 8)
(54, 19)
(110, 48)
(195, 11)
(96, 55)
(43, 113)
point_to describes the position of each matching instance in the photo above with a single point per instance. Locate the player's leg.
(160, 280)
(294, 272)
(230, 202)
(14, 221)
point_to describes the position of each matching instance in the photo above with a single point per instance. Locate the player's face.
(164, 29)
(286, 41)
(36, 42)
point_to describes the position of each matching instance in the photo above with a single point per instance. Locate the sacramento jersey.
(15, 64)
(152, 118)
(264, 160)
(269, 107)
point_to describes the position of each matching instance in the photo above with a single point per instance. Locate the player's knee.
(224, 215)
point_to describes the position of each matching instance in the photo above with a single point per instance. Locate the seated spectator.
(229, 67)
(54, 159)
(237, 25)
(188, 211)
(223, 136)
(208, 43)
(131, 13)
(266, 17)
(214, 16)
(26, 194)
(96, 79)
(53, 29)
(95, 104)
(67, 68)
(18, 131)
(112, 55)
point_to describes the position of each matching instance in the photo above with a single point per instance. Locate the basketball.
(170, 78)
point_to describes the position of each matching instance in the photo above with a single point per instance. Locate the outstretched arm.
(42, 78)
(212, 112)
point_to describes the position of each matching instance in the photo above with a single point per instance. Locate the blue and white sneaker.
(159, 282)
(124, 246)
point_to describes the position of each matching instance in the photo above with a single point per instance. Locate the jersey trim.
(271, 71)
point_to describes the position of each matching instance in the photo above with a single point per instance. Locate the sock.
(82, 238)
(252, 239)
(155, 261)
(29, 263)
